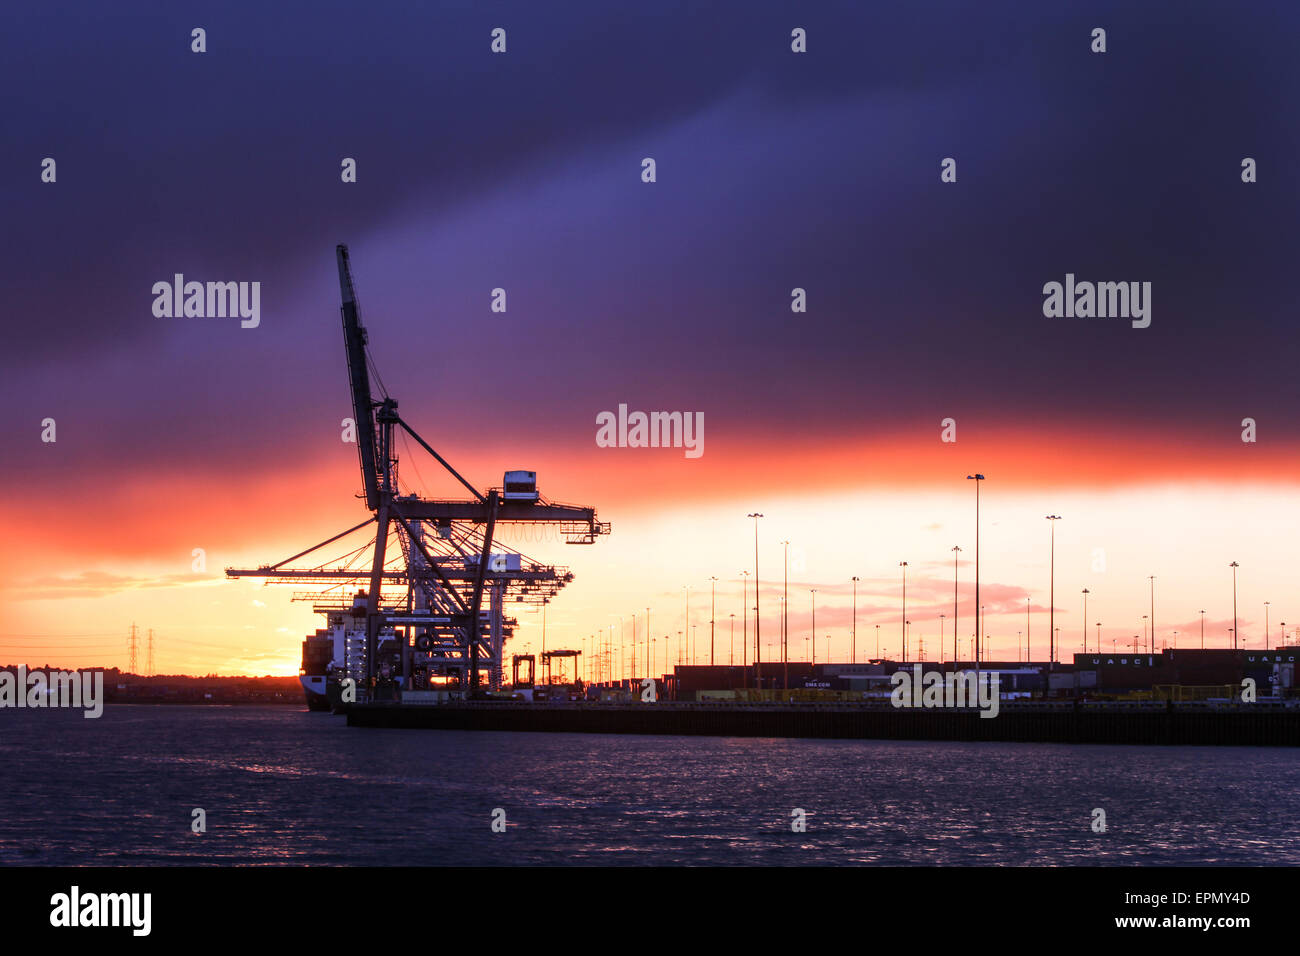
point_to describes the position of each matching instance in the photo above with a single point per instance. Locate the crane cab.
(520, 486)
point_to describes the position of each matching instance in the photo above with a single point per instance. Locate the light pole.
(731, 643)
(785, 619)
(1152, 579)
(758, 620)
(1144, 632)
(956, 552)
(649, 651)
(813, 592)
(713, 613)
(1098, 639)
(877, 642)
(941, 620)
(979, 624)
(744, 624)
(1202, 629)
(907, 632)
(903, 565)
(780, 637)
(1085, 620)
(855, 619)
(1234, 567)
(1051, 613)
(687, 627)
(545, 601)
(1266, 625)
(1029, 654)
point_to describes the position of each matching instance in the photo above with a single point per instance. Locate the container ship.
(334, 651)
(337, 652)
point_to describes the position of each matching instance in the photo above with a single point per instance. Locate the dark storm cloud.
(230, 158)
(776, 170)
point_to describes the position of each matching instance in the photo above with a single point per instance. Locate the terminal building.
(1172, 674)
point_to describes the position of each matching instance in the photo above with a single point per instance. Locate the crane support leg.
(373, 615)
(477, 600)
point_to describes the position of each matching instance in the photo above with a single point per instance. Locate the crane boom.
(354, 339)
(445, 545)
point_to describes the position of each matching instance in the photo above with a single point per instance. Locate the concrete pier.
(1259, 725)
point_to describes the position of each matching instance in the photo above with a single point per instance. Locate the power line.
(58, 637)
(55, 647)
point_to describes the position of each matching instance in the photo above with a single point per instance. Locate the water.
(282, 786)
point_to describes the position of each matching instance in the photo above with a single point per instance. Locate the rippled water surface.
(280, 785)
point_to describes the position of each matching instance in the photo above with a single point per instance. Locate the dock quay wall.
(1169, 723)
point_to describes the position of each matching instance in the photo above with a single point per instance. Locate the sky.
(774, 171)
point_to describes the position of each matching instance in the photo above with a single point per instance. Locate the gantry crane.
(446, 559)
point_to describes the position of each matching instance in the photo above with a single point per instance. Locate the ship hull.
(314, 687)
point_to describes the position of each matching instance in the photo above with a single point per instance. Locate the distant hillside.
(183, 689)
